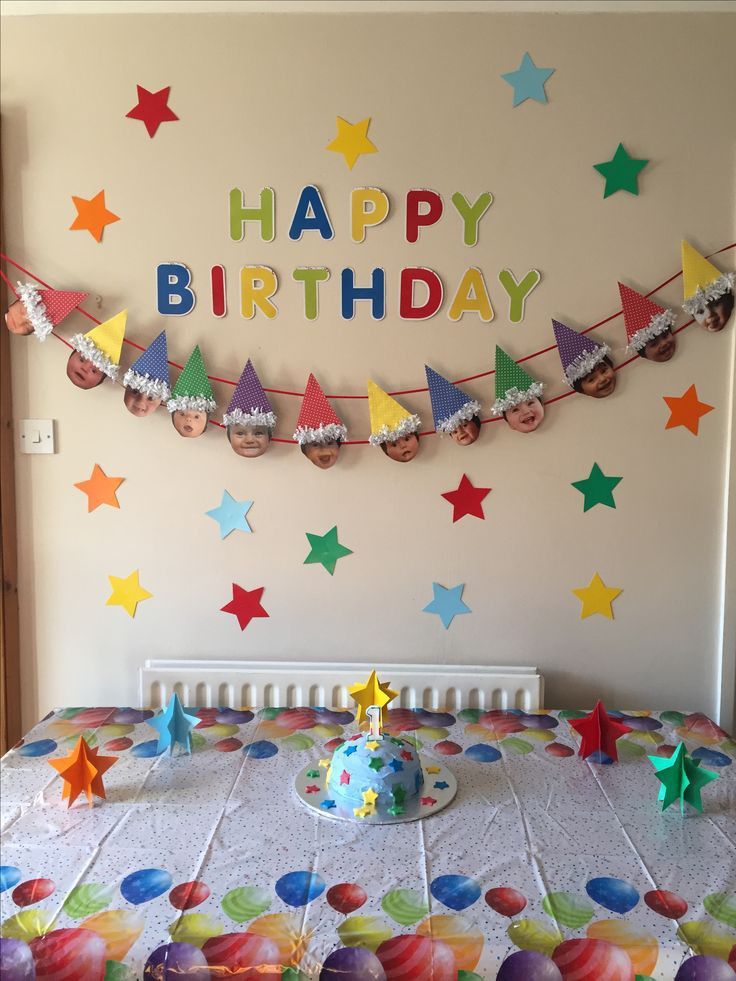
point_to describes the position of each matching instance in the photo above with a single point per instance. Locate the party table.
(571, 861)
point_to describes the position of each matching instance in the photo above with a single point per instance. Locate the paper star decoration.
(467, 499)
(441, 785)
(352, 140)
(92, 216)
(152, 109)
(621, 172)
(598, 732)
(326, 550)
(432, 769)
(528, 81)
(682, 779)
(327, 804)
(447, 603)
(370, 796)
(127, 593)
(597, 488)
(245, 604)
(82, 772)
(371, 693)
(100, 489)
(173, 726)
(597, 598)
(686, 410)
(230, 515)
(428, 801)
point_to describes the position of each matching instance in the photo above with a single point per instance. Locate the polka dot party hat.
(249, 405)
(702, 282)
(513, 384)
(45, 309)
(389, 419)
(102, 345)
(579, 353)
(450, 404)
(150, 372)
(643, 319)
(193, 389)
(318, 422)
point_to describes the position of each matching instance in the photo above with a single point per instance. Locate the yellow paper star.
(364, 811)
(432, 769)
(370, 797)
(371, 693)
(373, 744)
(324, 763)
(352, 140)
(127, 593)
(597, 598)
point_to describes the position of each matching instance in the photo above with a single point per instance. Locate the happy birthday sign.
(421, 290)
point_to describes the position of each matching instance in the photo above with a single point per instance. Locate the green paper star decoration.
(326, 550)
(597, 488)
(682, 779)
(621, 172)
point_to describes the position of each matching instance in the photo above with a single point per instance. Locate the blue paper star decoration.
(528, 81)
(447, 603)
(230, 515)
(174, 726)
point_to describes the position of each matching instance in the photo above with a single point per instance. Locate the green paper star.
(395, 810)
(621, 172)
(326, 550)
(597, 488)
(376, 763)
(398, 793)
(682, 779)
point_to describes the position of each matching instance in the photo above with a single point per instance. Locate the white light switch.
(37, 436)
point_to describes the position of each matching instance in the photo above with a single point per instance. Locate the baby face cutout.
(467, 432)
(600, 382)
(139, 404)
(17, 320)
(248, 441)
(189, 423)
(404, 449)
(660, 348)
(83, 373)
(718, 313)
(526, 416)
(322, 455)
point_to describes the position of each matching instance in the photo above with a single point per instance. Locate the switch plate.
(37, 436)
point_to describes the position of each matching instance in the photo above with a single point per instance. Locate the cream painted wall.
(257, 96)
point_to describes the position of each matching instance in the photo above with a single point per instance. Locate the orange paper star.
(686, 410)
(82, 771)
(100, 489)
(92, 215)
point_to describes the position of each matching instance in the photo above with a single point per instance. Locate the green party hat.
(193, 389)
(513, 384)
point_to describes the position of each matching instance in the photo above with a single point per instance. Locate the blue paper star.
(447, 603)
(528, 81)
(350, 750)
(174, 726)
(327, 804)
(231, 515)
(441, 785)
(396, 765)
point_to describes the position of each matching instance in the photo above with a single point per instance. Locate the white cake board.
(414, 809)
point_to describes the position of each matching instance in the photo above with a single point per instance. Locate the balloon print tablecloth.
(207, 866)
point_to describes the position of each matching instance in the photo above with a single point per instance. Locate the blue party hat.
(150, 373)
(450, 404)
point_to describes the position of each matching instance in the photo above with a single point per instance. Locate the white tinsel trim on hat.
(584, 363)
(659, 323)
(697, 304)
(152, 387)
(196, 403)
(465, 412)
(513, 396)
(256, 417)
(329, 433)
(89, 350)
(407, 426)
(35, 310)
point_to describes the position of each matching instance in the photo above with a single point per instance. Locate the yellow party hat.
(389, 420)
(102, 345)
(702, 282)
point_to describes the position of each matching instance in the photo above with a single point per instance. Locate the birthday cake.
(375, 774)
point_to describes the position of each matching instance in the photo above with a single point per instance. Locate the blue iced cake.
(375, 774)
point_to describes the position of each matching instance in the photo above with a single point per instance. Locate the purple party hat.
(579, 353)
(249, 405)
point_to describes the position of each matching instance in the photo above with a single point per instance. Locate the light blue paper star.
(447, 603)
(231, 515)
(528, 81)
(327, 804)
(174, 726)
(350, 750)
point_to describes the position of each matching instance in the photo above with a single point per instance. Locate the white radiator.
(289, 683)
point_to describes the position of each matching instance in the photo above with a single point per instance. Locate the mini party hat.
(450, 404)
(643, 319)
(702, 282)
(150, 372)
(389, 420)
(45, 309)
(192, 389)
(579, 353)
(249, 405)
(513, 384)
(102, 345)
(318, 422)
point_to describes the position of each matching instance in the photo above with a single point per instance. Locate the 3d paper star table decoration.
(245, 605)
(173, 726)
(598, 732)
(447, 603)
(686, 410)
(326, 550)
(682, 779)
(373, 692)
(528, 81)
(92, 216)
(230, 515)
(621, 172)
(467, 499)
(100, 489)
(152, 109)
(127, 593)
(597, 488)
(82, 772)
(352, 140)
(597, 598)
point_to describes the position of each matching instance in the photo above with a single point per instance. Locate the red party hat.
(46, 308)
(643, 319)
(318, 422)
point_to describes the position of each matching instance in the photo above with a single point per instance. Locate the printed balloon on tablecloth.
(704, 937)
(9, 876)
(405, 906)
(16, 960)
(364, 931)
(131, 716)
(27, 924)
(534, 935)
(481, 753)
(427, 718)
(332, 744)
(285, 929)
(229, 745)
(538, 721)
(246, 902)
(246, 956)
(642, 948)
(447, 747)
(352, 964)
(299, 888)
(666, 903)
(195, 928)
(456, 891)
(145, 885)
(261, 749)
(147, 750)
(187, 895)
(119, 928)
(505, 900)
(32, 891)
(613, 894)
(720, 905)
(39, 747)
(346, 897)
(118, 745)
(592, 960)
(172, 962)
(237, 717)
(704, 968)
(340, 718)
(69, 955)
(463, 938)
(409, 957)
(711, 757)
(298, 718)
(528, 965)
(567, 908)
(93, 718)
(88, 898)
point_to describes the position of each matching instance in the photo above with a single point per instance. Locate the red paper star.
(152, 109)
(599, 732)
(467, 500)
(344, 777)
(245, 604)
(406, 755)
(428, 801)
(312, 789)
(686, 410)
(92, 215)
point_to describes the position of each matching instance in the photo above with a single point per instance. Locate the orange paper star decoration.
(100, 489)
(92, 215)
(686, 410)
(82, 772)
